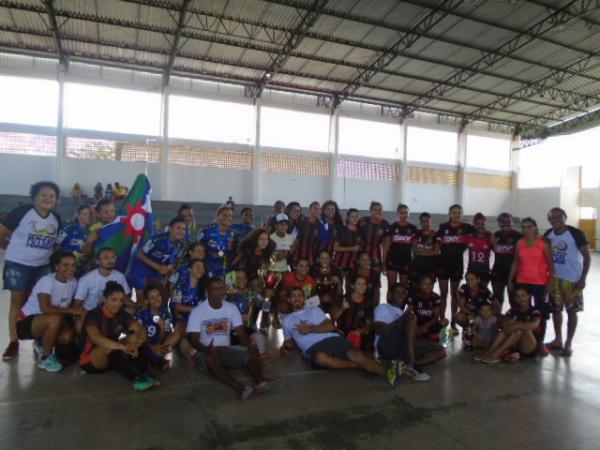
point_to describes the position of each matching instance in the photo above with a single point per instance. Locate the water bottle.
(443, 337)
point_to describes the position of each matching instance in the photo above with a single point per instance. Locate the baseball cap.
(281, 217)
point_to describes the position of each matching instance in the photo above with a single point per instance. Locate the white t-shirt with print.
(283, 243)
(61, 294)
(309, 316)
(568, 260)
(92, 284)
(33, 236)
(214, 323)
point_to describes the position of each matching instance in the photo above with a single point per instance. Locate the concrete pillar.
(334, 133)
(461, 197)
(163, 189)
(256, 195)
(514, 168)
(401, 188)
(59, 174)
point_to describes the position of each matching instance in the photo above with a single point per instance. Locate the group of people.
(213, 294)
(119, 192)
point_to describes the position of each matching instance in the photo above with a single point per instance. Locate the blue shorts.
(19, 277)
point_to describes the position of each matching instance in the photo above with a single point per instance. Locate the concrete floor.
(544, 404)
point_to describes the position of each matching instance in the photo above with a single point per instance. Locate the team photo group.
(347, 291)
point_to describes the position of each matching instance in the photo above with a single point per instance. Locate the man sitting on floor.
(313, 333)
(209, 332)
(395, 337)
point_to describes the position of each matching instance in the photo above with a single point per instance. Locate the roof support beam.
(436, 37)
(547, 23)
(403, 41)
(117, 44)
(307, 21)
(226, 40)
(175, 48)
(495, 24)
(49, 7)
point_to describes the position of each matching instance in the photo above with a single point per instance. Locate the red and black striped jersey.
(371, 237)
(308, 240)
(453, 240)
(346, 237)
(504, 248)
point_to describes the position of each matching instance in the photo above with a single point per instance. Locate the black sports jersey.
(425, 264)
(527, 315)
(504, 249)
(474, 301)
(401, 238)
(371, 237)
(453, 240)
(425, 306)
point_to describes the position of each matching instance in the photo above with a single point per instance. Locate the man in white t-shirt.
(92, 284)
(209, 330)
(395, 337)
(311, 331)
(571, 257)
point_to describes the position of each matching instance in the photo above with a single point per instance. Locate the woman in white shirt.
(44, 317)
(28, 234)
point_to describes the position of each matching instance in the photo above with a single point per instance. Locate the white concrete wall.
(289, 187)
(536, 203)
(89, 172)
(201, 184)
(18, 172)
(355, 193)
(433, 198)
(487, 201)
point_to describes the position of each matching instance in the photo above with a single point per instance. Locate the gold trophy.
(271, 280)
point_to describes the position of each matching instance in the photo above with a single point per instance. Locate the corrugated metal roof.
(513, 61)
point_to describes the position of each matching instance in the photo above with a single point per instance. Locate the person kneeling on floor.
(395, 337)
(209, 330)
(315, 335)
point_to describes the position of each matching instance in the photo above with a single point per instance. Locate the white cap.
(281, 217)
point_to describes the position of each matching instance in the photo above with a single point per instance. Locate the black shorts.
(334, 346)
(399, 263)
(433, 329)
(500, 274)
(454, 273)
(24, 327)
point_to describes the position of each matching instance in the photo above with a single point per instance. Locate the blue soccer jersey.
(186, 295)
(151, 322)
(220, 249)
(160, 249)
(72, 238)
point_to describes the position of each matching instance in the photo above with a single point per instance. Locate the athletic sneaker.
(490, 360)
(143, 383)
(246, 392)
(50, 364)
(417, 375)
(38, 348)
(544, 351)
(12, 350)
(150, 377)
